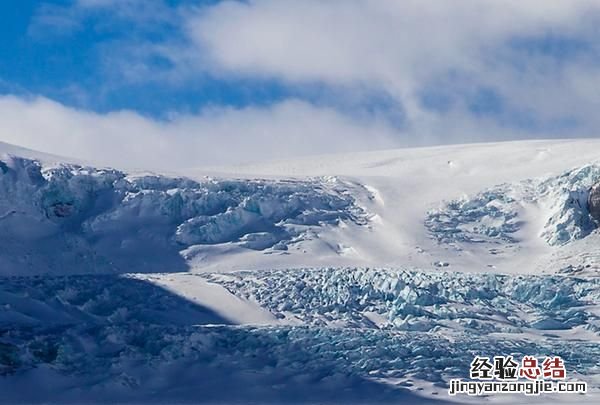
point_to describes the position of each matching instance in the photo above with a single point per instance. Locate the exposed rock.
(594, 202)
(61, 210)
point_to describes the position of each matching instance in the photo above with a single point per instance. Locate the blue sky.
(188, 83)
(65, 60)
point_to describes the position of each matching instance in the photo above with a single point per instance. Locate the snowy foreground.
(365, 278)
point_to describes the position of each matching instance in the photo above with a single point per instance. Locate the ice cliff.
(58, 216)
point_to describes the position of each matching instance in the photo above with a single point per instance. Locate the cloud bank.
(457, 71)
(217, 135)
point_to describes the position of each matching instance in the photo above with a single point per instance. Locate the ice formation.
(422, 301)
(495, 215)
(66, 215)
(120, 336)
(490, 216)
(79, 332)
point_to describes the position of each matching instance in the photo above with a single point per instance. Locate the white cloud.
(366, 40)
(215, 136)
(402, 48)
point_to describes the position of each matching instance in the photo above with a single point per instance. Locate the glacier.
(103, 298)
(493, 216)
(423, 301)
(120, 336)
(59, 217)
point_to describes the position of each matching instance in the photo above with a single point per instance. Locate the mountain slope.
(142, 287)
(413, 207)
(406, 187)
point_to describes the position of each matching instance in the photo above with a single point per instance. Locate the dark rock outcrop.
(594, 202)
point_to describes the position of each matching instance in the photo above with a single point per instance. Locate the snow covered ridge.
(496, 215)
(421, 301)
(570, 219)
(103, 217)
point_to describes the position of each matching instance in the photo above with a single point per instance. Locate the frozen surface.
(496, 215)
(570, 219)
(70, 218)
(367, 278)
(411, 300)
(491, 216)
(121, 338)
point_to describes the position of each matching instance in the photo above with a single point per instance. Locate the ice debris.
(495, 216)
(423, 301)
(106, 212)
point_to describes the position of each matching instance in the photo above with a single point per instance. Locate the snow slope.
(362, 278)
(475, 207)
(531, 184)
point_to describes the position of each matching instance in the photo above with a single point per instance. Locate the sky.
(175, 84)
